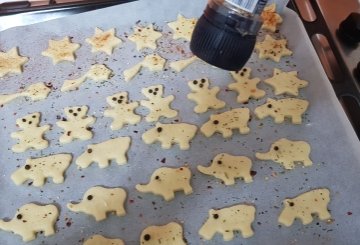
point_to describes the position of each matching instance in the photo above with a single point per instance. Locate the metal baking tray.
(335, 148)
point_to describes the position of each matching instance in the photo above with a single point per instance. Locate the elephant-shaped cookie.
(287, 153)
(228, 167)
(227, 121)
(279, 109)
(101, 240)
(166, 181)
(30, 219)
(304, 205)
(98, 201)
(171, 233)
(38, 169)
(104, 152)
(168, 134)
(227, 220)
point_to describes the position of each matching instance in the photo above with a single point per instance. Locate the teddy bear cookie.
(182, 27)
(104, 152)
(11, 62)
(103, 41)
(228, 167)
(245, 86)
(180, 65)
(30, 135)
(153, 62)
(61, 50)
(227, 121)
(101, 240)
(169, 134)
(145, 37)
(304, 206)
(31, 219)
(287, 153)
(121, 111)
(38, 169)
(203, 96)
(272, 48)
(98, 201)
(77, 124)
(270, 18)
(171, 233)
(158, 106)
(166, 181)
(227, 220)
(279, 109)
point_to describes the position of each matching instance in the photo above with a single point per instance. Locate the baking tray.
(335, 149)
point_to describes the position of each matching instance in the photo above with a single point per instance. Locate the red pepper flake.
(131, 201)
(253, 173)
(349, 213)
(163, 160)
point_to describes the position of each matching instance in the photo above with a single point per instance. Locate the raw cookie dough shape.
(97, 73)
(101, 240)
(286, 82)
(272, 48)
(31, 219)
(166, 181)
(169, 134)
(121, 111)
(145, 37)
(98, 201)
(225, 122)
(153, 62)
(38, 169)
(31, 134)
(304, 205)
(36, 91)
(169, 234)
(61, 50)
(287, 153)
(182, 27)
(227, 220)
(244, 86)
(104, 152)
(180, 65)
(203, 96)
(103, 41)
(228, 167)
(77, 124)
(270, 18)
(158, 106)
(11, 62)
(279, 109)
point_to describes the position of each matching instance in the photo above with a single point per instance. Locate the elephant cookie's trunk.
(262, 156)
(204, 170)
(6, 226)
(74, 207)
(142, 188)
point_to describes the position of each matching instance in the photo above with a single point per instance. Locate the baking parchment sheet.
(335, 148)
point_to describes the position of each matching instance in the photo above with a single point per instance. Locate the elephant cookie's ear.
(171, 233)
(98, 239)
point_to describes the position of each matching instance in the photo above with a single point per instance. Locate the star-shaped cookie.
(11, 62)
(182, 27)
(103, 41)
(286, 82)
(272, 48)
(145, 37)
(61, 50)
(270, 18)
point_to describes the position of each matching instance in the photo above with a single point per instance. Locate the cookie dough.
(182, 27)
(121, 111)
(180, 65)
(101, 240)
(153, 62)
(272, 48)
(31, 219)
(11, 62)
(169, 234)
(38, 169)
(225, 122)
(61, 50)
(245, 86)
(203, 96)
(104, 152)
(158, 106)
(166, 181)
(97, 73)
(145, 37)
(30, 135)
(270, 18)
(77, 125)
(98, 201)
(279, 109)
(287, 153)
(104, 41)
(169, 134)
(227, 220)
(228, 167)
(303, 206)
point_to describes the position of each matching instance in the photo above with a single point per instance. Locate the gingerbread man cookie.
(153, 62)
(101, 240)
(77, 124)
(169, 234)
(204, 96)
(272, 48)
(31, 134)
